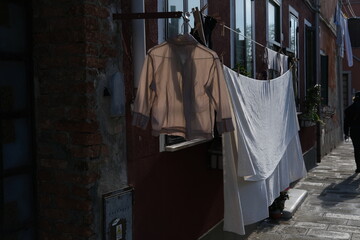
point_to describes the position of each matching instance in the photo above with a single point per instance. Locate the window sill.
(275, 43)
(179, 146)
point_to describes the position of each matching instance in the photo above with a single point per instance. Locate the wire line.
(242, 35)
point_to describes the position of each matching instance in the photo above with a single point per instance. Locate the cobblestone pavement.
(332, 208)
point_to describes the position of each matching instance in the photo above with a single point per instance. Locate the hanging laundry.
(348, 47)
(338, 20)
(182, 85)
(343, 36)
(207, 28)
(276, 61)
(263, 155)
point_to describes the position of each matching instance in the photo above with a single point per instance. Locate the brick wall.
(80, 148)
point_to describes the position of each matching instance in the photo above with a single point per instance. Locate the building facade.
(73, 166)
(350, 75)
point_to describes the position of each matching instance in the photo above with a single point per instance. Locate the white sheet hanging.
(263, 156)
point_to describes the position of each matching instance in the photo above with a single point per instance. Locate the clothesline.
(237, 32)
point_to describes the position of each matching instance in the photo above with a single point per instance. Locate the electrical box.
(118, 214)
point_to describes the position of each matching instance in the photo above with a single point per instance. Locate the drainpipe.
(138, 40)
(317, 72)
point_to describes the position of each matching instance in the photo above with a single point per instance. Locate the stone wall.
(80, 148)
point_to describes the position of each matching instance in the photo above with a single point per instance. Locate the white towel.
(263, 156)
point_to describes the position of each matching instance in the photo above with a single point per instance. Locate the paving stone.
(320, 219)
(353, 223)
(355, 237)
(311, 225)
(272, 236)
(342, 228)
(292, 230)
(342, 216)
(328, 234)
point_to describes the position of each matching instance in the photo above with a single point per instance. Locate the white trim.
(179, 146)
(293, 11)
(279, 3)
(232, 26)
(139, 40)
(306, 23)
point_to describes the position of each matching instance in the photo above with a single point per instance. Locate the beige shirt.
(182, 85)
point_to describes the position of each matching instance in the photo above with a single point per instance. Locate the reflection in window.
(176, 26)
(274, 21)
(294, 24)
(243, 46)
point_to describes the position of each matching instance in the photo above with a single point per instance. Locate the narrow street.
(332, 208)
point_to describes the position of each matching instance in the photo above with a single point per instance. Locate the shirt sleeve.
(145, 95)
(219, 95)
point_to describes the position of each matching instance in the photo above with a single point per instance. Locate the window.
(293, 33)
(347, 93)
(243, 46)
(293, 51)
(274, 30)
(176, 26)
(170, 28)
(310, 56)
(324, 79)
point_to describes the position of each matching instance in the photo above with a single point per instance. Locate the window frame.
(278, 20)
(233, 14)
(163, 24)
(162, 36)
(307, 25)
(295, 14)
(324, 65)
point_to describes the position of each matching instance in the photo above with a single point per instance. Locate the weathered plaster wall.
(331, 132)
(81, 149)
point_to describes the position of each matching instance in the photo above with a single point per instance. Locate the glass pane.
(239, 38)
(12, 27)
(16, 143)
(274, 21)
(174, 24)
(18, 200)
(243, 45)
(193, 4)
(271, 22)
(249, 44)
(293, 33)
(13, 86)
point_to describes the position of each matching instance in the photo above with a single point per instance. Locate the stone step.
(296, 198)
